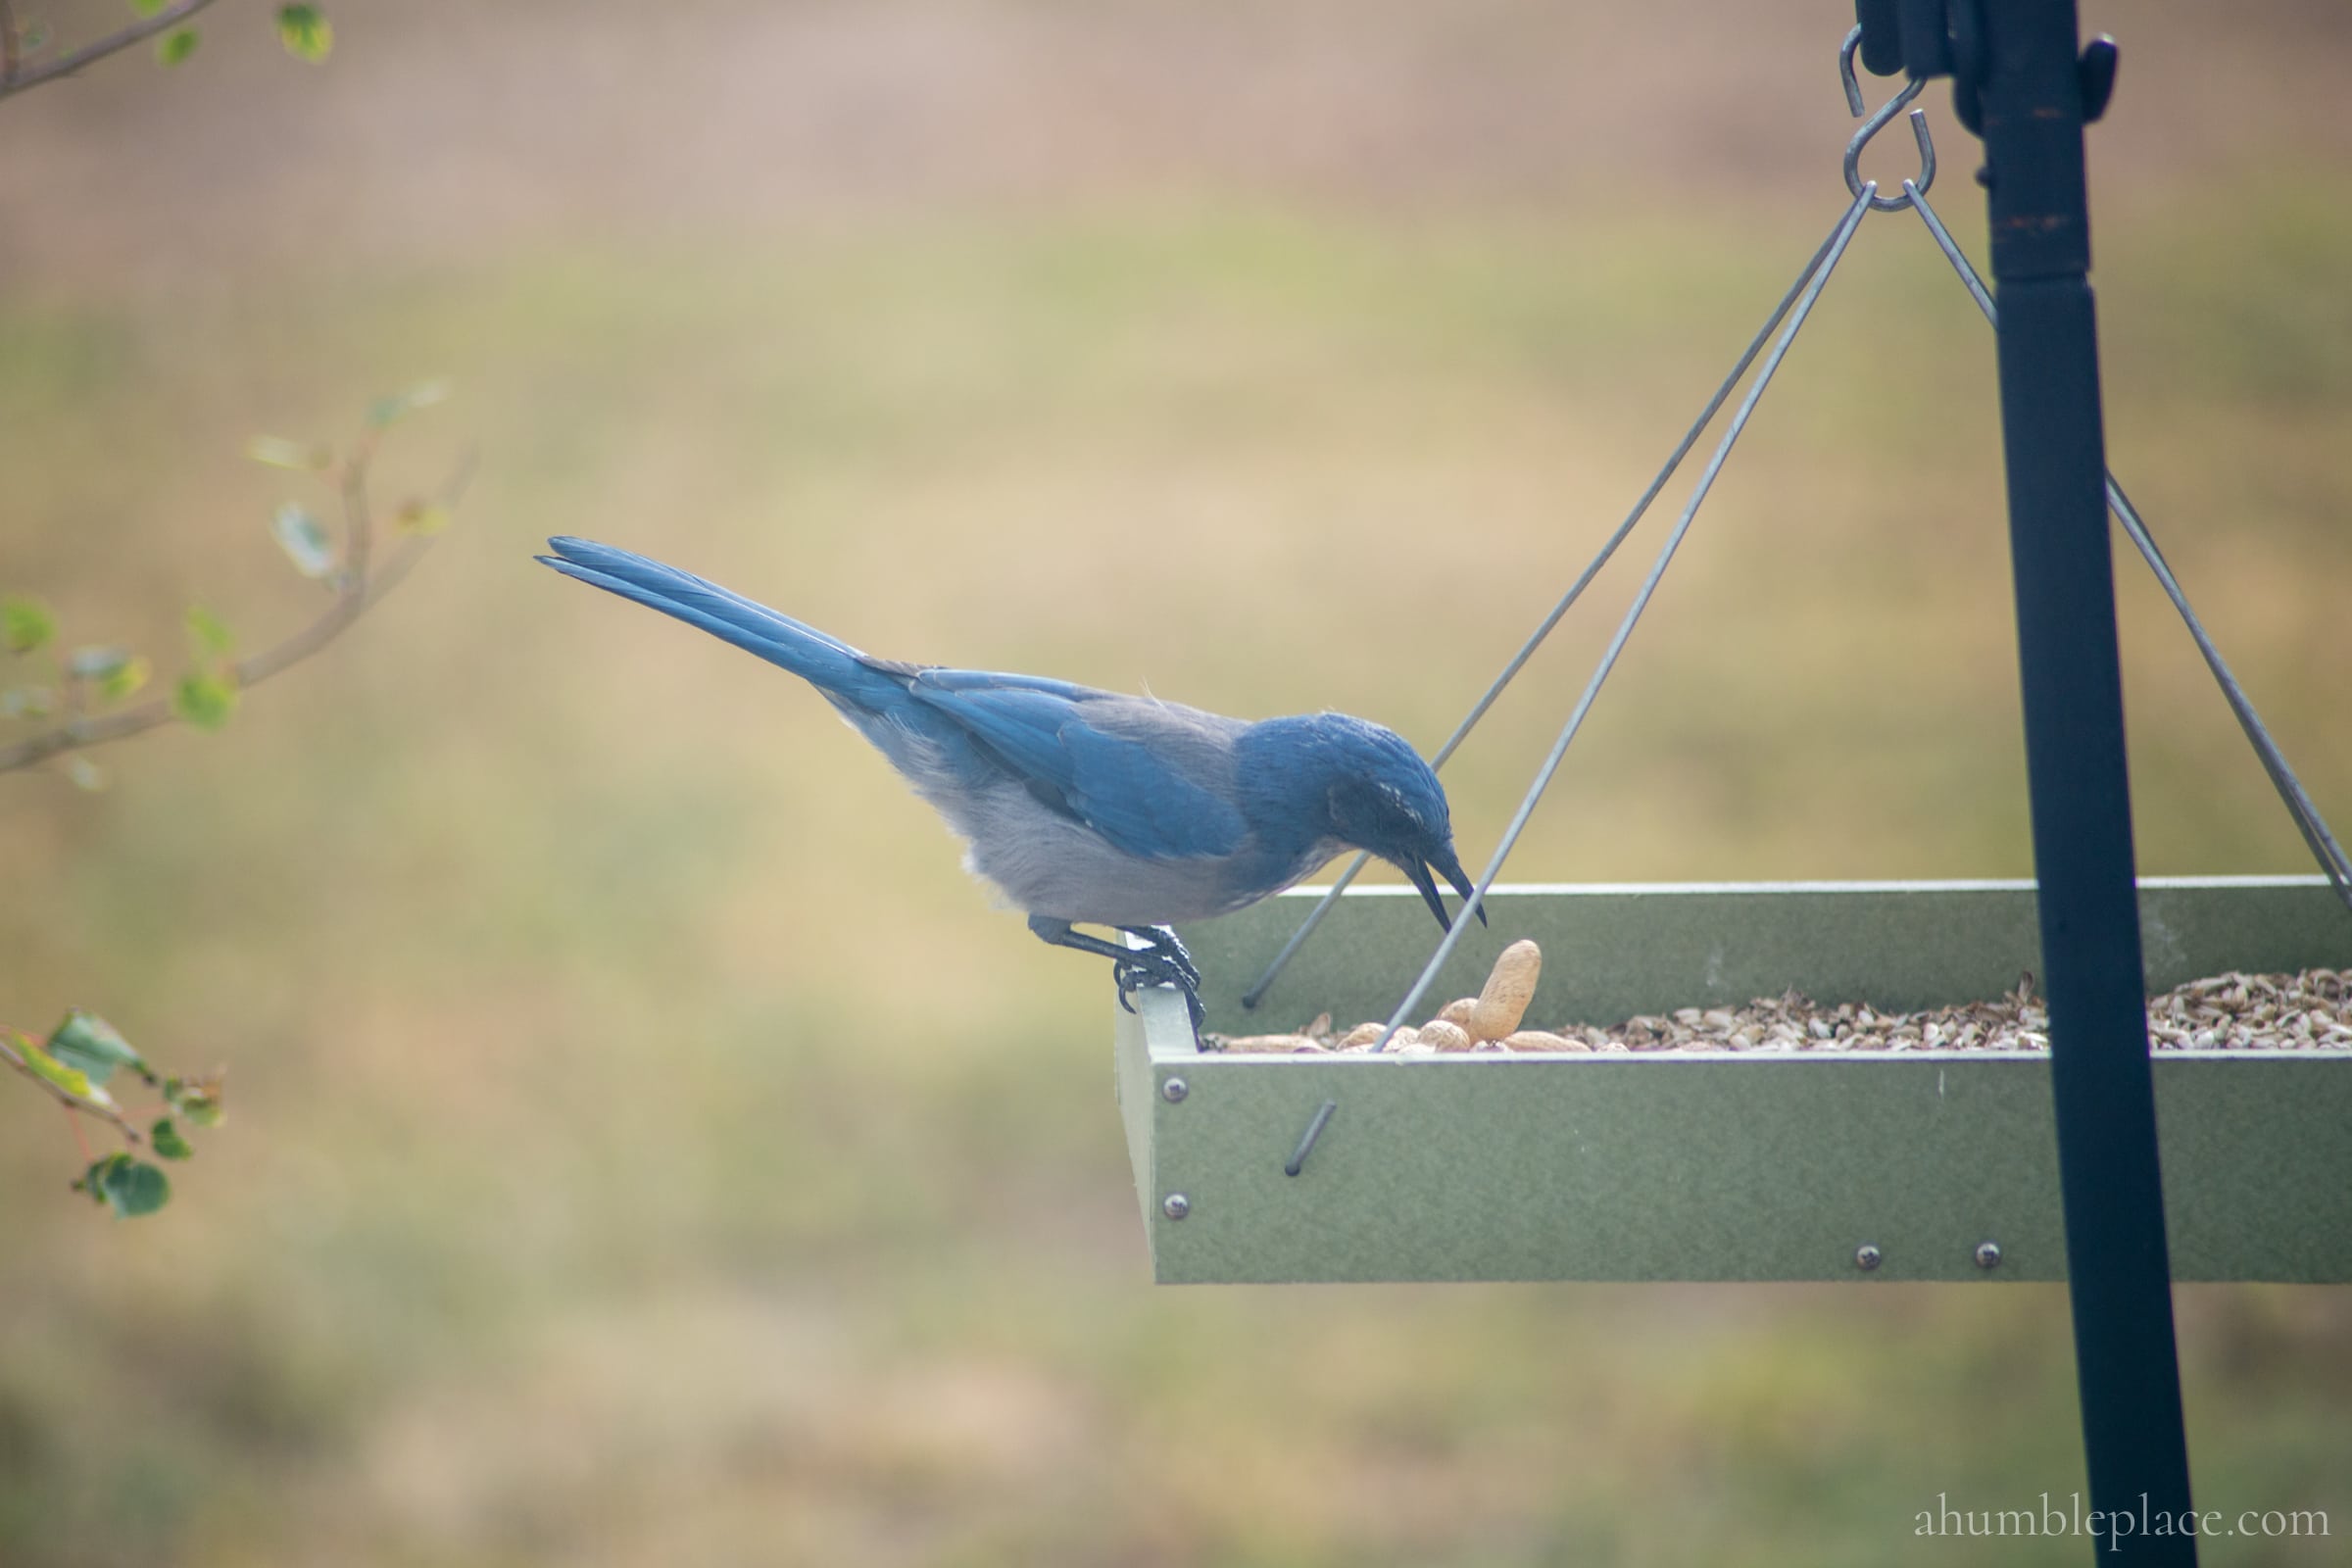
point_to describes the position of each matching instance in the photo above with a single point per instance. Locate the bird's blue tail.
(844, 674)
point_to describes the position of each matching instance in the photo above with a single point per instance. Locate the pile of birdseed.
(2307, 1011)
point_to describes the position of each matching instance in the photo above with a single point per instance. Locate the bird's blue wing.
(1136, 772)
(1135, 796)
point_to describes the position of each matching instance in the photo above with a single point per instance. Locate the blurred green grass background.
(646, 1146)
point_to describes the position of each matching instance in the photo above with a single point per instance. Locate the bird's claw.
(1163, 947)
(1158, 967)
(1159, 960)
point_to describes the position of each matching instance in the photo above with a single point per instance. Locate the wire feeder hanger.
(1786, 320)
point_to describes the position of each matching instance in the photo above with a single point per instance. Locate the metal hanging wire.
(1815, 267)
(1478, 710)
(1839, 238)
(1794, 308)
(2323, 844)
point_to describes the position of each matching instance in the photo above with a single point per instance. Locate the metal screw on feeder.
(1174, 1091)
(1176, 1206)
(1989, 1254)
(1867, 1257)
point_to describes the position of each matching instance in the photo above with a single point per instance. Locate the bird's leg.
(1132, 967)
(1058, 933)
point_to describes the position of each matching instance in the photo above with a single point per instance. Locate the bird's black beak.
(1450, 865)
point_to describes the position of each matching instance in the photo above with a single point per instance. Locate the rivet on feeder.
(1175, 1205)
(1174, 1091)
(1867, 1256)
(1989, 1254)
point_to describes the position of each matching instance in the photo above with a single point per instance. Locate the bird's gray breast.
(1143, 829)
(1046, 862)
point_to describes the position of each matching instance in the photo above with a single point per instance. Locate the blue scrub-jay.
(1087, 806)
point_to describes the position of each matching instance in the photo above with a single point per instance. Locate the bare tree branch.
(69, 1100)
(360, 589)
(15, 80)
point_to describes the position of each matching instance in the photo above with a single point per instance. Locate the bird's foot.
(1154, 967)
(1163, 944)
(1162, 962)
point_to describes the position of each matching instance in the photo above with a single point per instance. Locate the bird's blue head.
(1342, 778)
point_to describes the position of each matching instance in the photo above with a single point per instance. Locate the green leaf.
(420, 517)
(304, 539)
(205, 701)
(390, 411)
(166, 1143)
(26, 623)
(120, 683)
(50, 1070)
(305, 31)
(169, 50)
(210, 633)
(197, 1098)
(85, 774)
(130, 1187)
(89, 1044)
(302, 457)
(149, 8)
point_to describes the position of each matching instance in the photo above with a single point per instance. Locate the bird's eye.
(1405, 808)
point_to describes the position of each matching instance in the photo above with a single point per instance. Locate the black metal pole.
(2032, 111)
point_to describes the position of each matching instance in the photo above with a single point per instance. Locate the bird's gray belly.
(1047, 863)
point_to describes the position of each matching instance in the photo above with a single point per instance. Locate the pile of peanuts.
(1488, 1022)
(2310, 1010)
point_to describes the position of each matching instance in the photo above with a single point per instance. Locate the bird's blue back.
(1155, 780)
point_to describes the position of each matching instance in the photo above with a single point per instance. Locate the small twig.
(73, 1101)
(359, 592)
(16, 81)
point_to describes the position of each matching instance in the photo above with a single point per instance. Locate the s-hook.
(1878, 122)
